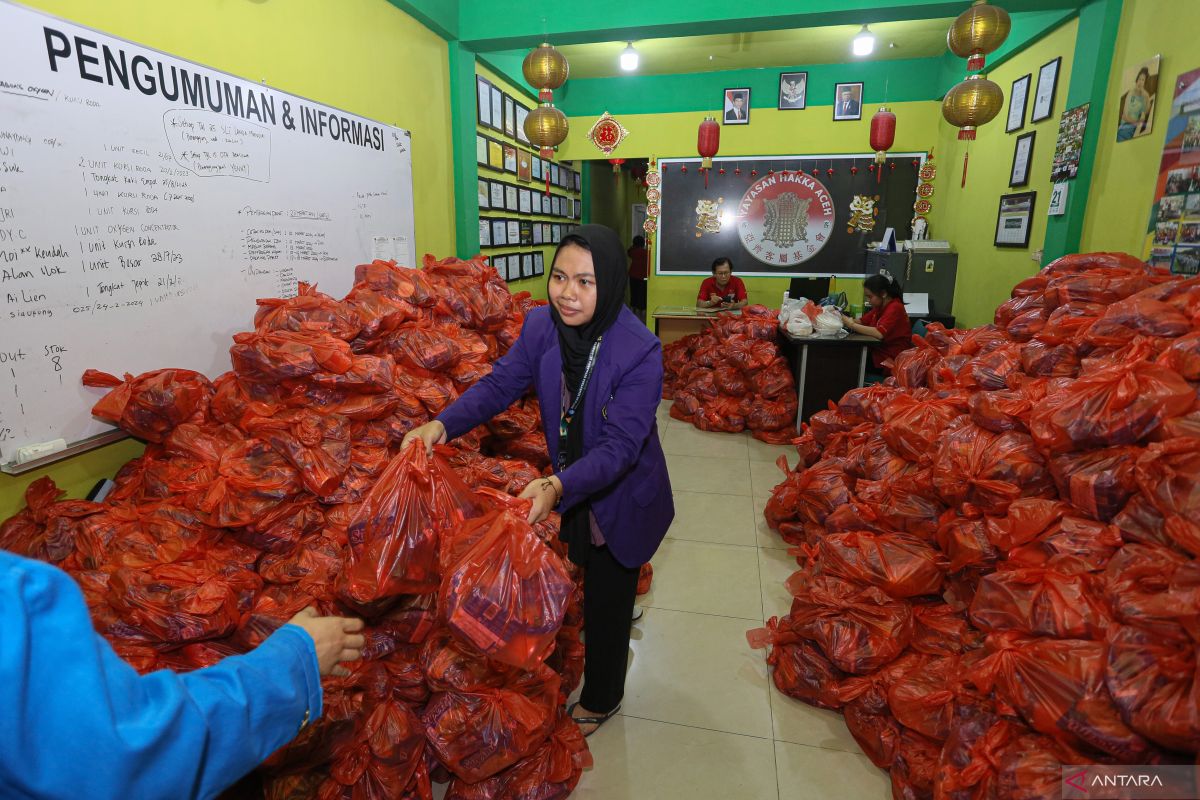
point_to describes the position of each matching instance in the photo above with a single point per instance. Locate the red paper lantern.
(737, 170)
(616, 163)
(753, 173)
(816, 172)
(883, 134)
(708, 141)
(854, 170)
(829, 172)
(683, 169)
(721, 171)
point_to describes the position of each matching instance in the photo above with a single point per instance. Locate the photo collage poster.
(1173, 234)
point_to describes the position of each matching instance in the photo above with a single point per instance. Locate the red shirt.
(735, 290)
(638, 263)
(892, 322)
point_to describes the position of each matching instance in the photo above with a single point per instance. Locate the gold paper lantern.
(545, 67)
(546, 127)
(978, 31)
(974, 102)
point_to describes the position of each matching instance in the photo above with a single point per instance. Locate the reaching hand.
(715, 298)
(336, 639)
(431, 433)
(545, 494)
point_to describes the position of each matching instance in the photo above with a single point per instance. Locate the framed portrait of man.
(793, 91)
(736, 103)
(847, 101)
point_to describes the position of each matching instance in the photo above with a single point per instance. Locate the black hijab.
(575, 344)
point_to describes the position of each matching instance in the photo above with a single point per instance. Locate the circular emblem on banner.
(653, 195)
(925, 189)
(928, 171)
(923, 206)
(785, 219)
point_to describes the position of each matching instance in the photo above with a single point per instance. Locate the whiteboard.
(146, 202)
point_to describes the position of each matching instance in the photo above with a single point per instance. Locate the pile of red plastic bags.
(998, 548)
(732, 378)
(281, 485)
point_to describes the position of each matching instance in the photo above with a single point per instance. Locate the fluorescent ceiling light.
(629, 58)
(864, 42)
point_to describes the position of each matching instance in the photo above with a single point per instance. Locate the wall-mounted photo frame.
(495, 155)
(510, 158)
(578, 182)
(1014, 218)
(539, 264)
(535, 168)
(556, 233)
(485, 197)
(735, 105)
(554, 174)
(514, 232)
(496, 195)
(537, 233)
(1022, 156)
(524, 202)
(547, 204)
(497, 108)
(485, 233)
(1018, 102)
(483, 92)
(481, 149)
(527, 265)
(510, 117)
(847, 101)
(499, 232)
(526, 233)
(1047, 88)
(524, 168)
(522, 114)
(547, 234)
(1139, 88)
(793, 91)
(511, 200)
(514, 267)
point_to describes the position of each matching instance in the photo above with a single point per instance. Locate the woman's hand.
(848, 320)
(431, 433)
(545, 494)
(336, 639)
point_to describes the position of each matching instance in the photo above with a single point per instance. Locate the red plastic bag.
(906, 502)
(964, 540)
(46, 528)
(858, 628)
(285, 355)
(867, 404)
(1117, 405)
(1097, 482)
(924, 699)
(1072, 545)
(394, 534)
(180, 603)
(774, 415)
(912, 367)
(1025, 520)
(387, 747)
(1057, 686)
(1183, 356)
(252, 479)
(967, 764)
(1169, 476)
(308, 309)
(645, 578)
(508, 592)
(988, 470)
(317, 445)
(914, 767)
(721, 414)
(408, 284)
(1098, 285)
(809, 495)
(1137, 315)
(940, 629)
(551, 773)
(1154, 679)
(151, 405)
(913, 427)
(1042, 602)
(798, 667)
(1147, 585)
(1027, 324)
(900, 565)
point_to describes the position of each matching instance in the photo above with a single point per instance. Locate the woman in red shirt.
(722, 290)
(886, 320)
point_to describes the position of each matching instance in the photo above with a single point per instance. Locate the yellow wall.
(535, 286)
(1123, 181)
(364, 56)
(770, 132)
(967, 217)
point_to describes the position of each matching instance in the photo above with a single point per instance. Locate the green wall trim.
(524, 22)
(1096, 41)
(440, 16)
(462, 127)
(903, 80)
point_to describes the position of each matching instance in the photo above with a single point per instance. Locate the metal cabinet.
(929, 273)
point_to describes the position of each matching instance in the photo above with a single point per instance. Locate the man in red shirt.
(886, 320)
(722, 290)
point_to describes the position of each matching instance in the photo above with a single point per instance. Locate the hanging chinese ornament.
(708, 142)
(974, 102)
(883, 136)
(616, 164)
(978, 31)
(927, 173)
(862, 213)
(546, 69)
(653, 196)
(607, 134)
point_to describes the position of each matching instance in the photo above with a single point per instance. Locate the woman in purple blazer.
(598, 375)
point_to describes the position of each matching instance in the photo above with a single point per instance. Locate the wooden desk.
(672, 323)
(825, 368)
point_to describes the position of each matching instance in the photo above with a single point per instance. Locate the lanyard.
(569, 414)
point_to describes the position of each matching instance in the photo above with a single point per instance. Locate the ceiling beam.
(440, 16)
(483, 26)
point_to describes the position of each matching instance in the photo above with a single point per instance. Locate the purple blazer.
(623, 471)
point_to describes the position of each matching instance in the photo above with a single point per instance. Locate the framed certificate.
(556, 233)
(483, 90)
(495, 155)
(524, 169)
(1018, 101)
(499, 233)
(497, 108)
(497, 194)
(547, 203)
(527, 265)
(522, 113)
(510, 116)
(514, 232)
(514, 268)
(523, 202)
(485, 233)
(1013, 219)
(539, 264)
(511, 201)
(555, 174)
(526, 228)
(547, 234)
(535, 168)
(1022, 155)
(1047, 86)
(537, 233)
(484, 194)
(481, 148)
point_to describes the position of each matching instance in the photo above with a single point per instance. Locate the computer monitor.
(815, 289)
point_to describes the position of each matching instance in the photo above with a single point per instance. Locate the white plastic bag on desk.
(792, 308)
(828, 322)
(799, 325)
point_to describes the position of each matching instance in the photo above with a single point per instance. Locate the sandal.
(597, 721)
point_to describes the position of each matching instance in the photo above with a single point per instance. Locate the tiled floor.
(701, 719)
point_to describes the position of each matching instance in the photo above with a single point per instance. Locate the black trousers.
(637, 293)
(609, 590)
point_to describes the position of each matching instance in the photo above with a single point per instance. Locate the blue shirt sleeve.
(77, 721)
